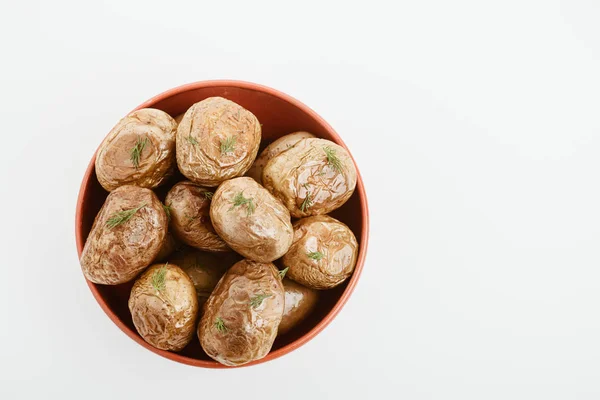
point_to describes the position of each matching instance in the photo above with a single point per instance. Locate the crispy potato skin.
(331, 238)
(205, 269)
(278, 146)
(249, 330)
(200, 133)
(190, 217)
(263, 235)
(293, 174)
(116, 255)
(114, 166)
(164, 318)
(300, 301)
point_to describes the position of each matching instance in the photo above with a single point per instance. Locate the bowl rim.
(362, 252)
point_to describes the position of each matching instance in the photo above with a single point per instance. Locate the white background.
(475, 124)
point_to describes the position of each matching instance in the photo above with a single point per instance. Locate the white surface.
(476, 126)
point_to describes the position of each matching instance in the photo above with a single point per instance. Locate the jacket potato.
(217, 140)
(164, 307)
(242, 314)
(278, 146)
(300, 301)
(126, 236)
(189, 206)
(205, 269)
(313, 177)
(323, 253)
(139, 150)
(250, 220)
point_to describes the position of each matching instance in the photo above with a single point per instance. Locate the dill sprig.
(220, 325)
(240, 200)
(333, 159)
(228, 145)
(167, 211)
(258, 299)
(306, 203)
(136, 152)
(158, 278)
(122, 216)
(283, 272)
(315, 255)
(208, 195)
(191, 139)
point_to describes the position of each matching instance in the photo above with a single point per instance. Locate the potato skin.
(169, 245)
(249, 330)
(263, 235)
(293, 174)
(116, 255)
(165, 318)
(334, 240)
(114, 166)
(190, 217)
(205, 269)
(278, 146)
(203, 128)
(300, 301)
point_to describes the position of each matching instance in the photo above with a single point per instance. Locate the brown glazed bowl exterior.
(280, 114)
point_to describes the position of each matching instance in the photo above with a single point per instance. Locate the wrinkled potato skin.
(169, 245)
(205, 269)
(328, 236)
(166, 319)
(304, 168)
(190, 217)
(179, 118)
(250, 331)
(114, 167)
(300, 301)
(265, 235)
(208, 123)
(116, 255)
(278, 146)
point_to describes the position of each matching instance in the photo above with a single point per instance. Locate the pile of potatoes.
(203, 258)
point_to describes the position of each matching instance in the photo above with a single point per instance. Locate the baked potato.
(164, 307)
(242, 314)
(169, 245)
(278, 146)
(323, 253)
(189, 206)
(205, 269)
(300, 301)
(313, 177)
(250, 220)
(139, 150)
(126, 236)
(217, 140)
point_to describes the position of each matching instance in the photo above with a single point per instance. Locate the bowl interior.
(279, 116)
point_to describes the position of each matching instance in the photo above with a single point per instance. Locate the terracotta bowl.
(280, 114)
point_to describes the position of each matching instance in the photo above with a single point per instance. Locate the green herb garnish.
(192, 140)
(122, 217)
(306, 203)
(220, 325)
(315, 255)
(240, 200)
(158, 278)
(258, 299)
(208, 195)
(333, 159)
(167, 211)
(136, 152)
(228, 145)
(283, 272)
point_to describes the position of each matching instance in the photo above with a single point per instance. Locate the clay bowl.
(280, 114)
